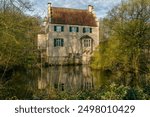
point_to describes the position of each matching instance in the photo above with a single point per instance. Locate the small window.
(87, 30)
(87, 43)
(58, 28)
(74, 29)
(58, 42)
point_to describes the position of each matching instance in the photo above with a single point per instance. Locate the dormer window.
(73, 29)
(58, 28)
(87, 30)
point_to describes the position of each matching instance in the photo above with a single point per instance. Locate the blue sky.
(101, 7)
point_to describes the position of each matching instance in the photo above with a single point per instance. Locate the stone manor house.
(68, 36)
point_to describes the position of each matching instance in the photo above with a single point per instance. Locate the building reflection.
(66, 78)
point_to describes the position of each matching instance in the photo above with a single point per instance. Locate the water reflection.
(69, 78)
(53, 82)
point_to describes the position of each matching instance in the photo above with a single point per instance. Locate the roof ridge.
(70, 8)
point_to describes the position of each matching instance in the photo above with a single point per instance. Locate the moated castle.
(68, 36)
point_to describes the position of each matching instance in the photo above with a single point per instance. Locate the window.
(87, 30)
(74, 29)
(87, 43)
(58, 42)
(58, 28)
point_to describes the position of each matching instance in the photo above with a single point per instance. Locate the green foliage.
(129, 30)
(17, 37)
(110, 92)
(114, 92)
(136, 94)
(125, 51)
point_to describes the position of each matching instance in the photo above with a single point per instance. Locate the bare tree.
(17, 5)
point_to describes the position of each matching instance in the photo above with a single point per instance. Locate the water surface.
(54, 82)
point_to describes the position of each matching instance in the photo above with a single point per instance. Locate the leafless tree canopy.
(19, 5)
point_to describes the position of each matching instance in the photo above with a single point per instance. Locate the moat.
(48, 83)
(72, 82)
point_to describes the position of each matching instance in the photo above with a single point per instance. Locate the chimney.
(90, 8)
(49, 10)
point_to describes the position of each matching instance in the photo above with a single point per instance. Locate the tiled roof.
(72, 17)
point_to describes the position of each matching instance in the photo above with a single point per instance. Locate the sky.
(101, 7)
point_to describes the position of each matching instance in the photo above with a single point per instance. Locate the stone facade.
(69, 41)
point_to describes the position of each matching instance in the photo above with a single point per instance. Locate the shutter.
(55, 28)
(62, 28)
(54, 42)
(62, 42)
(90, 30)
(83, 30)
(70, 29)
(77, 29)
